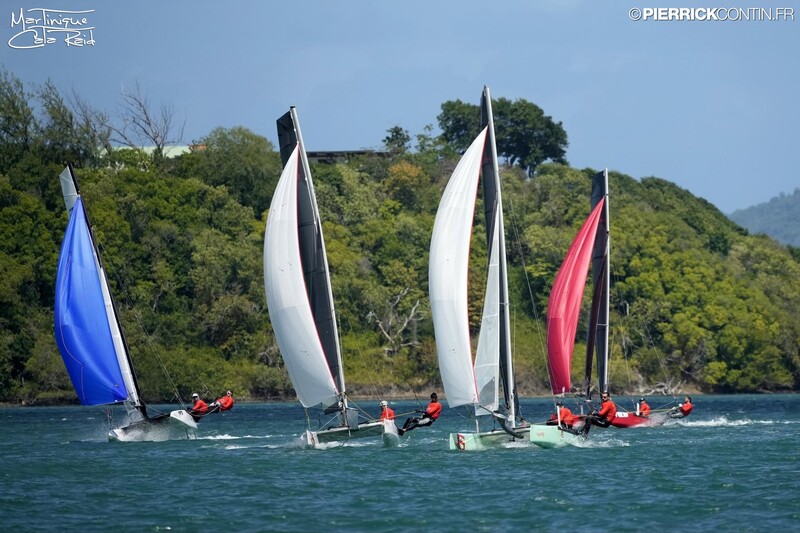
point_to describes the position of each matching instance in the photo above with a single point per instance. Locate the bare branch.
(142, 126)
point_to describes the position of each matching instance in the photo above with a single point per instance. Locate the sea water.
(733, 465)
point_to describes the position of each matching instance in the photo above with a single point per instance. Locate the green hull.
(554, 437)
(480, 441)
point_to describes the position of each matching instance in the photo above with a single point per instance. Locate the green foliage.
(525, 136)
(239, 159)
(696, 302)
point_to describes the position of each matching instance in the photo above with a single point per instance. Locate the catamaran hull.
(629, 420)
(178, 425)
(385, 429)
(554, 437)
(489, 439)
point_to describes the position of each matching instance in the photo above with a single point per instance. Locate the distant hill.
(779, 218)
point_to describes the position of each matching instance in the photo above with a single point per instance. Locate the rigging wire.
(518, 240)
(147, 337)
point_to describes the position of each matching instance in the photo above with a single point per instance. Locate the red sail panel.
(564, 305)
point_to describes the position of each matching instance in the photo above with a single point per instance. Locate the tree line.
(697, 303)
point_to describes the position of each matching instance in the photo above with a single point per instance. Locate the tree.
(17, 121)
(397, 141)
(240, 160)
(525, 135)
(142, 125)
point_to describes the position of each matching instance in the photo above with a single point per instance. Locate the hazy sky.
(710, 105)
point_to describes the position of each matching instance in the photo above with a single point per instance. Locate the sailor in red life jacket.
(199, 408)
(225, 403)
(564, 415)
(644, 409)
(608, 411)
(683, 409)
(429, 416)
(386, 412)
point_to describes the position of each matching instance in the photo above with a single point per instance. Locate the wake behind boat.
(90, 337)
(300, 300)
(466, 383)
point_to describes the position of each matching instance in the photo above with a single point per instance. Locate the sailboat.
(466, 383)
(90, 337)
(591, 244)
(300, 300)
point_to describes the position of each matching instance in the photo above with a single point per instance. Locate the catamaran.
(300, 300)
(466, 382)
(591, 244)
(90, 337)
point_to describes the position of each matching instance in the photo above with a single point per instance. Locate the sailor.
(386, 412)
(225, 403)
(608, 411)
(567, 418)
(644, 409)
(199, 408)
(683, 409)
(429, 416)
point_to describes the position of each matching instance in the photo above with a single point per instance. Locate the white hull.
(554, 437)
(490, 439)
(179, 425)
(386, 429)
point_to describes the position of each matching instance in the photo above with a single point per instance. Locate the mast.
(597, 335)
(493, 206)
(312, 250)
(602, 273)
(71, 193)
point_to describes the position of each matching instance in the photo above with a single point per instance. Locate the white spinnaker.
(449, 261)
(487, 363)
(287, 299)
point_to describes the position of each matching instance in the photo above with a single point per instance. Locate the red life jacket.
(225, 403)
(608, 411)
(434, 410)
(200, 407)
(644, 409)
(387, 414)
(686, 408)
(567, 418)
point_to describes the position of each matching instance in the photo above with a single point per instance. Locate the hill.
(779, 218)
(697, 302)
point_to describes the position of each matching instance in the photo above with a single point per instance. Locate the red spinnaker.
(564, 305)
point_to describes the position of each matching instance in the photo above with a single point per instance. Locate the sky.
(711, 105)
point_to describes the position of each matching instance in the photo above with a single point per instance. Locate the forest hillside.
(697, 302)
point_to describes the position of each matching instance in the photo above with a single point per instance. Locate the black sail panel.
(287, 138)
(491, 202)
(312, 249)
(600, 278)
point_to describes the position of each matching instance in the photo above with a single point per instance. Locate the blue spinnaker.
(82, 326)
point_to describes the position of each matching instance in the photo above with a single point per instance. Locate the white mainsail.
(287, 299)
(448, 271)
(487, 363)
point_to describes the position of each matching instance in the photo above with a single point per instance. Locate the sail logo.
(40, 27)
(712, 14)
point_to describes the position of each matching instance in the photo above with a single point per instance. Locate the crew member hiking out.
(429, 416)
(683, 409)
(223, 403)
